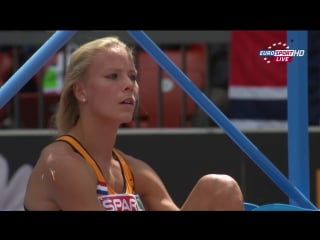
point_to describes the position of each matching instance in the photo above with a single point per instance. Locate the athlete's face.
(111, 88)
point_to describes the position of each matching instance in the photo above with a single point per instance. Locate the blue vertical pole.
(298, 139)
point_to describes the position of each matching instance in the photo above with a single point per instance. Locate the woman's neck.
(99, 141)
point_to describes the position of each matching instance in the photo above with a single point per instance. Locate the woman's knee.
(223, 188)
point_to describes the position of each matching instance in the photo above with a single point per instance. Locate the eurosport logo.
(280, 53)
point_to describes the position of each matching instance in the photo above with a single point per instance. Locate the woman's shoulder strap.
(127, 171)
(77, 145)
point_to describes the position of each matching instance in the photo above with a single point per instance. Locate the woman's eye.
(133, 77)
(112, 76)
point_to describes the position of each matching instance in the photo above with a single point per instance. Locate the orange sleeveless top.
(112, 201)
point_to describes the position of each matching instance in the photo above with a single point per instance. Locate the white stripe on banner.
(248, 124)
(258, 93)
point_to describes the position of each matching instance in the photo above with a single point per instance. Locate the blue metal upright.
(298, 141)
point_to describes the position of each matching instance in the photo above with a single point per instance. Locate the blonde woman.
(82, 169)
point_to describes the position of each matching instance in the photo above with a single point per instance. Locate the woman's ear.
(79, 92)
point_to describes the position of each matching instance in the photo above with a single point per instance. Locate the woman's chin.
(126, 120)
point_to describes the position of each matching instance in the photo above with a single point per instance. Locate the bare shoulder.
(59, 153)
(61, 158)
(60, 166)
(60, 176)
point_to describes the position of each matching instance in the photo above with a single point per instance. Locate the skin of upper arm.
(150, 187)
(71, 182)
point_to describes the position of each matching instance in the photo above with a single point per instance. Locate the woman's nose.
(129, 84)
